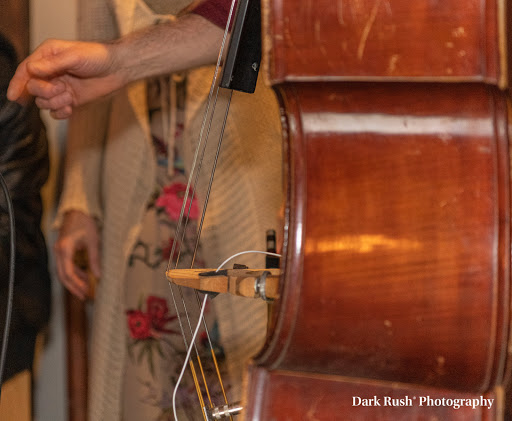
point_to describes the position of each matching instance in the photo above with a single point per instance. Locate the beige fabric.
(244, 203)
(110, 172)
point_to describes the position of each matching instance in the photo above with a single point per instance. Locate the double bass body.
(396, 261)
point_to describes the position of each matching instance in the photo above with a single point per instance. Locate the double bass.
(394, 295)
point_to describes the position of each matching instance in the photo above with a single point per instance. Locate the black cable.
(12, 259)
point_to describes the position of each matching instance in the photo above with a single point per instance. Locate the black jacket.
(24, 166)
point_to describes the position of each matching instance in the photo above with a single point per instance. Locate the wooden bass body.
(396, 285)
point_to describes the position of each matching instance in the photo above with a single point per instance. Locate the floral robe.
(154, 341)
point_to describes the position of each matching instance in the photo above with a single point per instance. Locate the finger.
(55, 103)
(45, 88)
(17, 86)
(72, 288)
(73, 275)
(77, 287)
(69, 285)
(57, 63)
(62, 113)
(68, 273)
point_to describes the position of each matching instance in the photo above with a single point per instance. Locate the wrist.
(121, 63)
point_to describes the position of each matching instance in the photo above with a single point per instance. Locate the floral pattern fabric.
(154, 324)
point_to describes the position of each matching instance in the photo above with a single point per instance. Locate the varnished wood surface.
(390, 40)
(404, 235)
(397, 236)
(291, 396)
(77, 360)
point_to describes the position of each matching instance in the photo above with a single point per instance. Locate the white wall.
(52, 19)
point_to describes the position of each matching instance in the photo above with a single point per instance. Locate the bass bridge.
(250, 283)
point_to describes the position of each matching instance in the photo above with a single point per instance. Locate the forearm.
(63, 75)
(189, 42)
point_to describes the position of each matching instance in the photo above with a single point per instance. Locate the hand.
(65, 74)
(78, 232)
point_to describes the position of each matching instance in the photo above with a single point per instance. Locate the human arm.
(65, 74)
(79, 212)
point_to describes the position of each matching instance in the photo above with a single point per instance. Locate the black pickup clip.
(223, 272)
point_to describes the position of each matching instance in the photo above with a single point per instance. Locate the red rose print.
(171, 199)
(157, 311)
(139, 324)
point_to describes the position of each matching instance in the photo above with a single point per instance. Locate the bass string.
(196, 247)
(179, 241)
(184, 217)
(202, 306)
